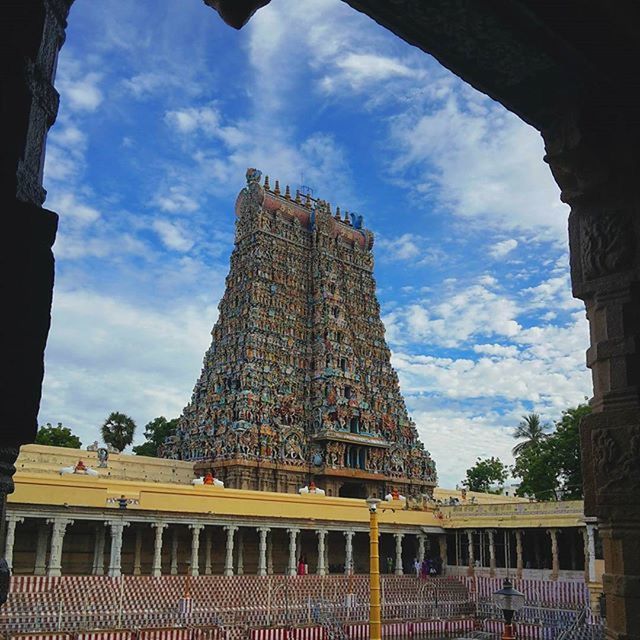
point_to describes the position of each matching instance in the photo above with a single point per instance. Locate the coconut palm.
(530, 428)
(118, 430)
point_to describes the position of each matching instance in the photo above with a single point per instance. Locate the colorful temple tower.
(297, 384)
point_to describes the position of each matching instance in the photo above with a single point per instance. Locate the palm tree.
(118, 430)
(530, 428)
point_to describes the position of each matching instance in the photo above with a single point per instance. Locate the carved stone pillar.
(228, 561)
(492, 554)
(471, 567)
(208, 541)
(322, 535)
(519, 561)
(555, 564)
(10, 538)
(270, 555)
(442, 543)
(97, 569)
(32, 32)
(591, 152)
(195, 548)
(42, 543)
(262, 550)
(174, 551)
(156, 566)
(115, 558)
(292, 568)
(348, 552)
(57, 540)
(398, 564)
(421, 547)
(590, 552)
(239, 546)
(137, 552)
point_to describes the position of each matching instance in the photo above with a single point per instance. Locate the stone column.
(398, 536)
(10, 537)
(270, 555)
(41, 548)
(421, 547)
(442, 543)
(262, 550)
(115, 559)
(590, 556)
(228, 561)
(519, 561)
(589, 149)
(292, 568)
(195, 548)
(57, 541)
(208, 534)
(322, 534)
(174, 551)
(239, 546)
(492, 554)
(137, 552)
(348, 552)
(156, 567)
(98, 551)
(555, 565)
(471, 568)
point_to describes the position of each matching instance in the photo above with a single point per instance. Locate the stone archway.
(567, 68)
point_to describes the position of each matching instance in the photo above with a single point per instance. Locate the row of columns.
(589, 552)
(117, 527)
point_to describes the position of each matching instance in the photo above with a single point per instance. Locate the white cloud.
(123, 347)
(172, 235)
(502, 248)
(73, 210)
(405, 247)
(81, 90)
(176, 201)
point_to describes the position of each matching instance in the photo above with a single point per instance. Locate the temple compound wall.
(129, 520)
(297, 385)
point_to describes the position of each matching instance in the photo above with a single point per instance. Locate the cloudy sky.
(163, 107)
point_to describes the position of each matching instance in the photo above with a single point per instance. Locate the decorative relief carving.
(616, 454)
(607, 245)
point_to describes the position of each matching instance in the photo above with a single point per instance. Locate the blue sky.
(163, 107)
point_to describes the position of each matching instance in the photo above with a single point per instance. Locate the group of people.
(428, 567)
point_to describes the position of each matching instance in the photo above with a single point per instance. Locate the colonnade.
(467, 537)
(108, 536)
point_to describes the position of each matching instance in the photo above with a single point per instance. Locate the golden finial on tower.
(287, 193)
(329, 208)
(346, 218)
(277, 189)
(307, 201)
(337, 216)
(266, 183)
(298, 196)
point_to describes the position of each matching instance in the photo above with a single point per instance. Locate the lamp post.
(510, 600)
(374, 572)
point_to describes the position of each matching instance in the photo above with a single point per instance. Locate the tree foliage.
(485, 474)
(118, 430)
(155, 433)
(532, 430)
(550, 468)
(57, 436)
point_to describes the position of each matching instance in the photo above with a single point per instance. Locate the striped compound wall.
(271, 607)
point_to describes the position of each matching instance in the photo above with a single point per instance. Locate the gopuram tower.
(297, 385)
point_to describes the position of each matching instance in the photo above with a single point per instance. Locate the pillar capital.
(293, 531)
(263, 530)
(321, 533)
(60, 522)
(159, 525)
(196, 527)
(349, 533)
(230, 528)
(117, 524)
(14, 518)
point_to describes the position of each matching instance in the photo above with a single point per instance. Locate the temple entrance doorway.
(353, 490)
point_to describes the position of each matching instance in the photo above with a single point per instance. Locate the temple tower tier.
(297, 385)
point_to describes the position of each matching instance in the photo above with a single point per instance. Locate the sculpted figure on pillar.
(298, 374)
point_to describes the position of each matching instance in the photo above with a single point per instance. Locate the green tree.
(550, 467)
(532, 430)
(57, 437)
(118, 430)
(536, 467)
(155, 433)
(486, 473)
(567, 452)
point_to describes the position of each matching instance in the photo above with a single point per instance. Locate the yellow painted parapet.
(85, 491)
(524, 514)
